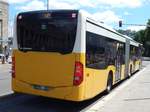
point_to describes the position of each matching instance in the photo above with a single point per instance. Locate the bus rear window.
(47, 31)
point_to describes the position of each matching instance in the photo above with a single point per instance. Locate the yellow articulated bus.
(64, 54)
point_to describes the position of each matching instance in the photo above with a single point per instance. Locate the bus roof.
(110, 29)
(45, 11)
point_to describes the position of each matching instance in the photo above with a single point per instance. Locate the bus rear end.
(43, 61)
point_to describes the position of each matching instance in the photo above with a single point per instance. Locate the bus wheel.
(109, 83)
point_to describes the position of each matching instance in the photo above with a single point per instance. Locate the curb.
(6, 94)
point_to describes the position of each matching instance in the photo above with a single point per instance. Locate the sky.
(107, 11)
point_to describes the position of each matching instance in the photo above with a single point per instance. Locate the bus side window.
(111, 51)
(122, 53)
(95, 51)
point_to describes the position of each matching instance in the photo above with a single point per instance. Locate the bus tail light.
(78, 74)
(13, 67)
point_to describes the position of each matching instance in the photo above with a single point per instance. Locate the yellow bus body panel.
(49, 69)
(57, 71)
(123, 72)
(52, 70)
(137, 65)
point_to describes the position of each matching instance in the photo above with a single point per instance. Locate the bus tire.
(109, 83)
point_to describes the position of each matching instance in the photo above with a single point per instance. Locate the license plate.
(43, 88)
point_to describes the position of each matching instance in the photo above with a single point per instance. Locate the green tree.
(140, 36)
(143, 36)
(127, 32)
(147, 40)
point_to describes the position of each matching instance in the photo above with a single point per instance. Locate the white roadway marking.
(100, 103)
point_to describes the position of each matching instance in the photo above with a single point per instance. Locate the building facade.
(3, 19)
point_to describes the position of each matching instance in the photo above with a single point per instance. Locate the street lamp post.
(47, 4)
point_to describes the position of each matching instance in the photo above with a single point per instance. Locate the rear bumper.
(65, 93)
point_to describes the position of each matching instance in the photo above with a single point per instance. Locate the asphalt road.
(29, 103)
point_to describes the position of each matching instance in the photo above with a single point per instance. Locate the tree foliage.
(143, 36)
(127, 32)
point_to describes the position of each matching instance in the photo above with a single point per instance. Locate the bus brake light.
(13, 67)
(74, 15)
(78, 75)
